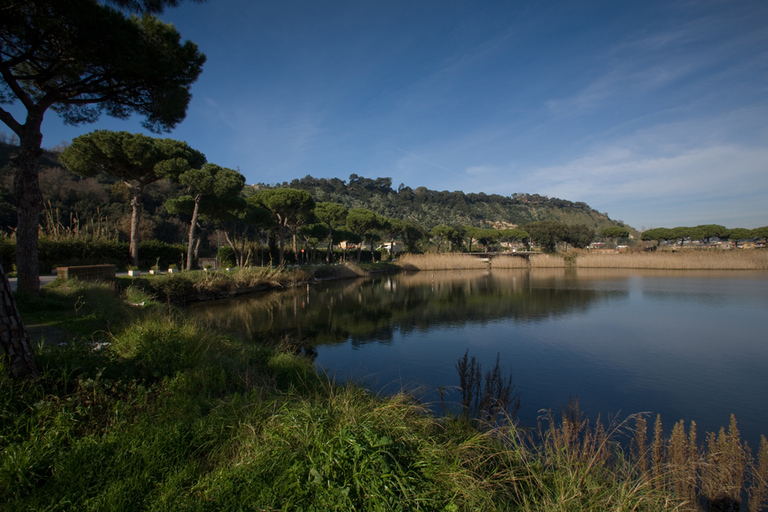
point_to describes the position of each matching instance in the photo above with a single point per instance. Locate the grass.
(176, 417)
(190, 286)
(683, 260)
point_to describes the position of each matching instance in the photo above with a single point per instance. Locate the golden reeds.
(756, 259)
(718, 476)
(441, 262)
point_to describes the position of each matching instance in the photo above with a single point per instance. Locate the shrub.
(226, 257)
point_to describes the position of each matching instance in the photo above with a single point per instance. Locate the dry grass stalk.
(641, 440)
(681, 477)
(758, 491)
(723, 474)
(657, 453)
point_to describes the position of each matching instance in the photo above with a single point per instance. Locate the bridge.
(488, 256)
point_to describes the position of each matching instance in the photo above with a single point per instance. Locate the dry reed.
(441, 262)
(712, 477)
(685, 260)
(720, 476)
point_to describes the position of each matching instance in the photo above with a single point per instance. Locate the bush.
(226, 257)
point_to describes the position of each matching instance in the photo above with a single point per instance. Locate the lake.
(684, 344)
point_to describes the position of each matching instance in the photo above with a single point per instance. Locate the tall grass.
(684, 260)
(173, 416)
(440, 262)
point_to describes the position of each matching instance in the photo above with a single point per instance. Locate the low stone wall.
(87, 272)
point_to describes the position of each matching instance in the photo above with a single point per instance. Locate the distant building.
(392, 248)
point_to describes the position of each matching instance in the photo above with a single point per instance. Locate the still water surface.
(683, 344)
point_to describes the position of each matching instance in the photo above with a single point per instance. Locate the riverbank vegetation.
(197, 286)
(664, 260)
(154, 411)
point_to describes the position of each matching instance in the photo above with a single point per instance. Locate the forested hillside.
(102, 203)
(429, 208)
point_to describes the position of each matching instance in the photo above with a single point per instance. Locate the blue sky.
(655, 112)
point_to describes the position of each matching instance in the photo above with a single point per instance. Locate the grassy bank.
(175, 417)
(196, 286)
(683, 260)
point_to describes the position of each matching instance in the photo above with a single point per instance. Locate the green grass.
(171, 416)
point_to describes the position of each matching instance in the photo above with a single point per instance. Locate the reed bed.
(455, 261)
(685, 260)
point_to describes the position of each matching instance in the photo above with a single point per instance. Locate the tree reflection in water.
(373, 309)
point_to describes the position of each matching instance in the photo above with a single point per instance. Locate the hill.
(429, 208)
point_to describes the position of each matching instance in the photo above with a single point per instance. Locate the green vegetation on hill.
(429, 208)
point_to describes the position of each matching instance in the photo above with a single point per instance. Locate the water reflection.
(373, 310)
(683, 344)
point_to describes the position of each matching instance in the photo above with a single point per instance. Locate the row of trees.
(704, 232)
(215, 194)
(546, 234)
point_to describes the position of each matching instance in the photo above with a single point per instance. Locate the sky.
(654, 112)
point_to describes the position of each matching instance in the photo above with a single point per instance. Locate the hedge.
(60, 253)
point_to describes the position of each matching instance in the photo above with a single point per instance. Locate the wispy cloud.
(627, 176)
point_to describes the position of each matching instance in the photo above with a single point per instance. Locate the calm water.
(686, 345)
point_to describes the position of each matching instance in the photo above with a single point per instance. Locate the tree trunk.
(29, 203)
(192, 226)
(135, 220)
(329, 250)
(197, 249)
(282, 242)
(18, 356)
(241, 258)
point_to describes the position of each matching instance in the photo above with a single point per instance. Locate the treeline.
(704, 232)
(206, 207)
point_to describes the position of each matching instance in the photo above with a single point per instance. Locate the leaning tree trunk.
(135, 220)
(17, 350)
(192, 226)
